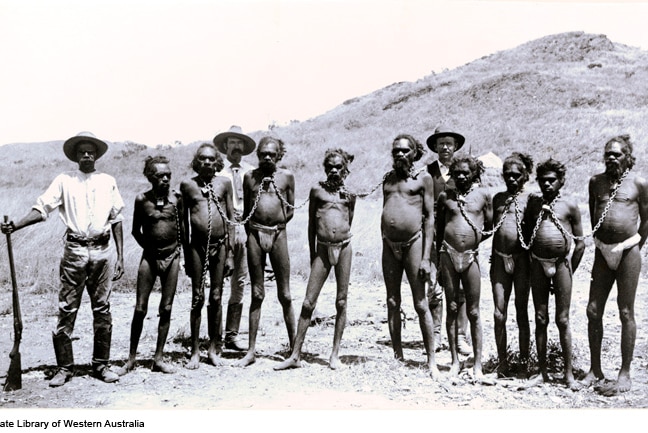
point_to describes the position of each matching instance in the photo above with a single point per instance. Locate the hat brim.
(431, 141)
(69, 147)
(220, 141)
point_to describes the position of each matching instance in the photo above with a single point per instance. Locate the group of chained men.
(231, 217)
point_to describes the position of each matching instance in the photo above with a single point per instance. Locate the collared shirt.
(228, 172)
(88, 203)
(445, 171)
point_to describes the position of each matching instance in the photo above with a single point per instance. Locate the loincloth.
(267, 235)
(549, 265)
(399, 248)
(509, 261)
(613, 253)
(333, 249)
(162, 259)
(461, 260)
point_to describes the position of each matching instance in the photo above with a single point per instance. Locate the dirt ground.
(369, 378)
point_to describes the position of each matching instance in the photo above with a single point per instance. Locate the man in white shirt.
(235, 145)
(91, 207)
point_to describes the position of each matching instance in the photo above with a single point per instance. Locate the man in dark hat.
(235, 145)
(91, 207)
(444, 142)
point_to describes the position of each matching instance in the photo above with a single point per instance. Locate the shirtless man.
(156, 228)
(330, 214)
(407, 227)
(269, 196)
(207, 246)
(509, 261)
(463, 215)
(618, 240)
(551, 222)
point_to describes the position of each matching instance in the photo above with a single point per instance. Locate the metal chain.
(537, 224)
(461, 200)
(254, 206)
(613, 194)
(412, 174)
(210, 197)
(283, 199)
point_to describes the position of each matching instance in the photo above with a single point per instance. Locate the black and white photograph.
(334, 208)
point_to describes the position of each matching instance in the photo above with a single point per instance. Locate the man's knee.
(307, 308)
(393, 303)
(626, 315)
(165, 310)
(140, 312)
(562, 322)
(593, 313)
(499, 316)
(421, 307)
(472, 313)
(542, 320)
(340, 304)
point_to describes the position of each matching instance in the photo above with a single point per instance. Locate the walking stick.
(14, 375)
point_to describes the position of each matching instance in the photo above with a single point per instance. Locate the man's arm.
(32, 217)
(488, 214)
(592, 201)
(231, 229)
(118, 236)
(290, 195)
(427, 267)
(138, 216)
(642, 186)
(577, 230)
(440, 220)
(312, 224)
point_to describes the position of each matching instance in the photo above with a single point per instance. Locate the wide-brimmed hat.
(220, 141)
(70, 145)
(442, 131)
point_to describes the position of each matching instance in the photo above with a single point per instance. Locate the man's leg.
(540, 292)
(319, 271)
(72, 274)
(471, 282)
(168, 283)
(342, 277)
(600, 286)
(451, 283)
(502, 284)
(435, 300)
(215, 307)
(462, 327)
(522, 289)
(197, 303)
(256, 263)
(280, 260)
(417, 284)
(627, 280)
(237, 285)
(145, 281)
(98, 284)
(563, 291)
(393, 274)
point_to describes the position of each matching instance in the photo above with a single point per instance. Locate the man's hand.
(119, 269)
(425, 271)
(229, 266)
(8, 227)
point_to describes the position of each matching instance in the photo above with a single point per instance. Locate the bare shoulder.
(640, 182)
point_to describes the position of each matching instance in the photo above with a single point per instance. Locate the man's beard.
(402, 167)
(267, 167)
(333, 183)
(614, 171)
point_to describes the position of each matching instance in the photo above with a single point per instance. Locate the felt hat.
(70, 145)
(442, 131)
(220, 141)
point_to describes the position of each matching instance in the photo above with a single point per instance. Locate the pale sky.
(157, 71)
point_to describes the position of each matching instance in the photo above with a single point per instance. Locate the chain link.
(283, 199)
(613, 194)
(537, 224)
(461, 200)
(254, 206)
(210, 197)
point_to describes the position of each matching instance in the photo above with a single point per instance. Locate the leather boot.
(232, 324)
(437, 318)
(64, 359)
(101, 354)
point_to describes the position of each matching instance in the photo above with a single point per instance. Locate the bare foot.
(480, 378)
(194, 362)
(162, 367)
(215, 359)
(248, 359)
(126, 368)
(503, 370)
(574, 385)
(591, 379)
(454, 369)
(434, 372)
(288, 363)
(622, 384)
(533, 381)
(334, 362)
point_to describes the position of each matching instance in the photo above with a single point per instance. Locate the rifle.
(14, 375)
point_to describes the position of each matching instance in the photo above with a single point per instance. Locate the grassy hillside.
(561, 96)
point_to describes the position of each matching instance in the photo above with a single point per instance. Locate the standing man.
(235, 145)
(444, 142)
(91, 207)
(618, 201)
(207, 201)
(269, 195)
(407, 226)
(158, 230)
